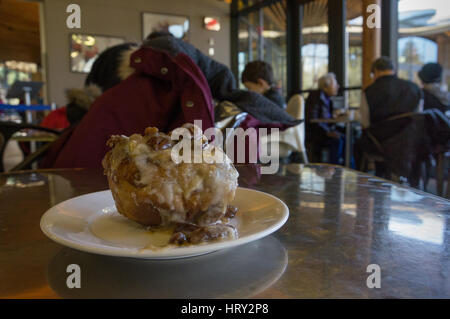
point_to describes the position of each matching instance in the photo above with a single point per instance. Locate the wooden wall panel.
(19, 31)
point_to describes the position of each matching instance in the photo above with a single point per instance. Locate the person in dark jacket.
(388, 95)
(434, 96)
(258, 77)
(321, 136)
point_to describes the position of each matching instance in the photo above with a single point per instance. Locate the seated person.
(104, 74)
(108, 70)
(434, 96)
(258, 77)
(385, 98)
(321, 136)
(388, 95)
(172, 83)
(56, 119)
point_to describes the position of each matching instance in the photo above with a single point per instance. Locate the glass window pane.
(248, 43)
(354, 51)
(423, 36)
(315, 43)
(274, 34)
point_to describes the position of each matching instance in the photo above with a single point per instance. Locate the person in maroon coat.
(173, 83)
(165, 93)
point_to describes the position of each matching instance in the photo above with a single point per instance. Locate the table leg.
(440, 174)
(348, 132)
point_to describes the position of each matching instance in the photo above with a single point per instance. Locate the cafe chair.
(447, 194)
(403, 144)
(441, 150)
(291, 142)
(8, 129)
(441, 171)
(293, 139)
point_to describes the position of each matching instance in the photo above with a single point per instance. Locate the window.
(354, 30)
(274, 37)
(262, 36)
(413, 52)
(248, 43)
(314, 64)
(423, 36)
(12, 71)
(315, 43)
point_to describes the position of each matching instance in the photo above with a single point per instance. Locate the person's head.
(382, 66)
(431, 73)
(105, 72)
(109, 69)
(158, 34)
(328, 84)
(258, 76)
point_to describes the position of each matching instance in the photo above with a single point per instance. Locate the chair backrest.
(7, 129)
(2, 148)
(293, 138)
(296, 107)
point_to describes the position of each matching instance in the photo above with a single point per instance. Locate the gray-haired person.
(321, 136)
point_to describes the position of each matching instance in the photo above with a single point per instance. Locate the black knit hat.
(104, 72)
(431, 73)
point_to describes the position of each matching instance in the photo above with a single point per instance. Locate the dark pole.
(234, 38)
(337, 12)
(260, 34)
(389, 29)
(294, 17)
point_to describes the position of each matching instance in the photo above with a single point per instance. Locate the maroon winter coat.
(165, 92)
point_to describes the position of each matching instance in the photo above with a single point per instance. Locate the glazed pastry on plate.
(152, 189)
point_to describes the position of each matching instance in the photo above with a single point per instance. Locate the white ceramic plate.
(91, 223)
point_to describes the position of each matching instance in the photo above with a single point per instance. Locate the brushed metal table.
(341, 221)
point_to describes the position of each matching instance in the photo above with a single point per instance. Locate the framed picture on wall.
(85, 48)
(177, 25)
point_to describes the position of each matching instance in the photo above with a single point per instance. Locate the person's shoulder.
(313, 95)
(369, 88)
(274, 95)
(61, 110)
(408, 84)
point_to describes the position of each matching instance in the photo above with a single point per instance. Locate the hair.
(258, 70)
(383, 63)
(104, 72)
(325, 80)
(158, 34)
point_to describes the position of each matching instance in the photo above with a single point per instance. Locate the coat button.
(189, 104)
(138, 60)
(164, 70)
